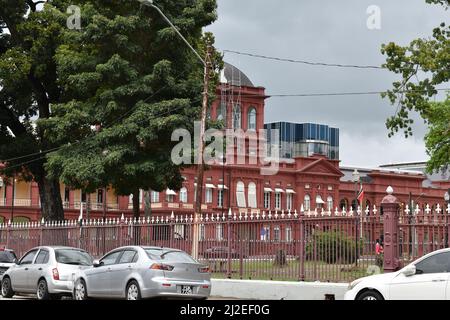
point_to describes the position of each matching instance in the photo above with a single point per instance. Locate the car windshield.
(7, 257)
(169, 256)
(75, 257)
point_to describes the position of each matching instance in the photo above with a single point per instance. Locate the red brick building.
(304, 182)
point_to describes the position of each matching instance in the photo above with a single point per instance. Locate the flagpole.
(361, 232)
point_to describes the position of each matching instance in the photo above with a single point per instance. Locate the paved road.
(31, 297)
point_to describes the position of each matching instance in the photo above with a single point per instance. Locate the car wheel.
(370, 295)
(133, 292)
(80, 292)
(42, 291)
(7, 291)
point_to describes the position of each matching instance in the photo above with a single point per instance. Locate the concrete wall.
(276, 290)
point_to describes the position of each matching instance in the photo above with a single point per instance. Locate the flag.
(360, 194)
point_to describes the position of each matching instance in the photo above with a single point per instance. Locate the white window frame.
(267, 200)
(208, 195)
(330, 203)
(278, 200)
(219, 231)
(289, 201)
(237, 116)
(155, 196)
(240, 195)
(220, 194)
(252, 203)
(277, 234)
(307, 202)
(288, 235)
(251, 123)
(183, 195)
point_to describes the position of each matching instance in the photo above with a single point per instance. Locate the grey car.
(139, 272)
(7, 259)
(48, 271)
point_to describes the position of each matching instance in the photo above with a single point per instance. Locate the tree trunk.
(136, 215)
(136, 205)
(148, 205)
(50, 196)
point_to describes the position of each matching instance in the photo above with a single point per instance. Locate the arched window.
(319, 202)
(343, 204)
(307, 203)
(240, 195)
(330, 203)
(237, 116)
(251, 119)
(252, 195)
(183, 195)
(222, 111)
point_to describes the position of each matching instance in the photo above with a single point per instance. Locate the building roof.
(235, 77)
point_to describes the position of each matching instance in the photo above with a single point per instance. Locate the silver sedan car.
(48, 271)
(138, 272)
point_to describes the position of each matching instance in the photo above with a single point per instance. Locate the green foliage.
(128, 81)
(331, 247)
(423, 65)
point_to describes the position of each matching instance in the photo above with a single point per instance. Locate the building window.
(266, 200)
(288, 201)
(265, 233)
(220, 198)
(240, 195)
(343, 204)
(170, 198)
(307, 203)
(100, 196)
(319, 202)
(278, 200)
(222, 112)
(202, 232)
(179, 231)
(219, 231)
(276, 233)
(183, 195)
(251, 119)
(209, 195)
(330, 203)
(252, 195)
(288, 234)
(237, 117)
(66, 194)
(155, 197)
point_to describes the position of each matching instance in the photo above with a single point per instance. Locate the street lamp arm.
(151, 4)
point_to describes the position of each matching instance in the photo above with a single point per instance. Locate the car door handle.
(40, 269)
(26, 268)
(439, 280)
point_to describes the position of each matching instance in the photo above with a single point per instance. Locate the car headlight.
(354, 284)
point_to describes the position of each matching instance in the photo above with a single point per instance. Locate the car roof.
(57, 247)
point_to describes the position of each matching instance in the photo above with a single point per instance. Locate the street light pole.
(447, 213)
(207, 69)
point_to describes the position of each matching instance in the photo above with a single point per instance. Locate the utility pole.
(200, 167)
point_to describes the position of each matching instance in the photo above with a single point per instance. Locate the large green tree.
(128, 81)
(28, 88)
(423, 65)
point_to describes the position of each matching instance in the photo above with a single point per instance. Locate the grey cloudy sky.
(333, 32)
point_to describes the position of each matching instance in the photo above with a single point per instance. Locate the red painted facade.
(298, 178)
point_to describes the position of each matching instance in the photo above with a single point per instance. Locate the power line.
(326, 94)
(311, 63)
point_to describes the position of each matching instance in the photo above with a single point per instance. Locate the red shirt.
(378, 248)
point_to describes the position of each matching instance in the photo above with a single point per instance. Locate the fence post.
(41, 231)
(8, 230)
(230, 217)
(121, 224)
(171, 230)
(391, 207)
(301, 253)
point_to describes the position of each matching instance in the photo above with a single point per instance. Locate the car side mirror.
(97, 263)
(16, 261)
(409, 271)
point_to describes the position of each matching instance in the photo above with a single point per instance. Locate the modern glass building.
(303, 139)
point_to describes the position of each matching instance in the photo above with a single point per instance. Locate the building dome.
(235, 77)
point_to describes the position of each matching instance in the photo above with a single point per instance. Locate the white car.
(427, 278)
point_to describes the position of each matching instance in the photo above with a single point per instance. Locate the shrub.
(280, 258)
(332, 247)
